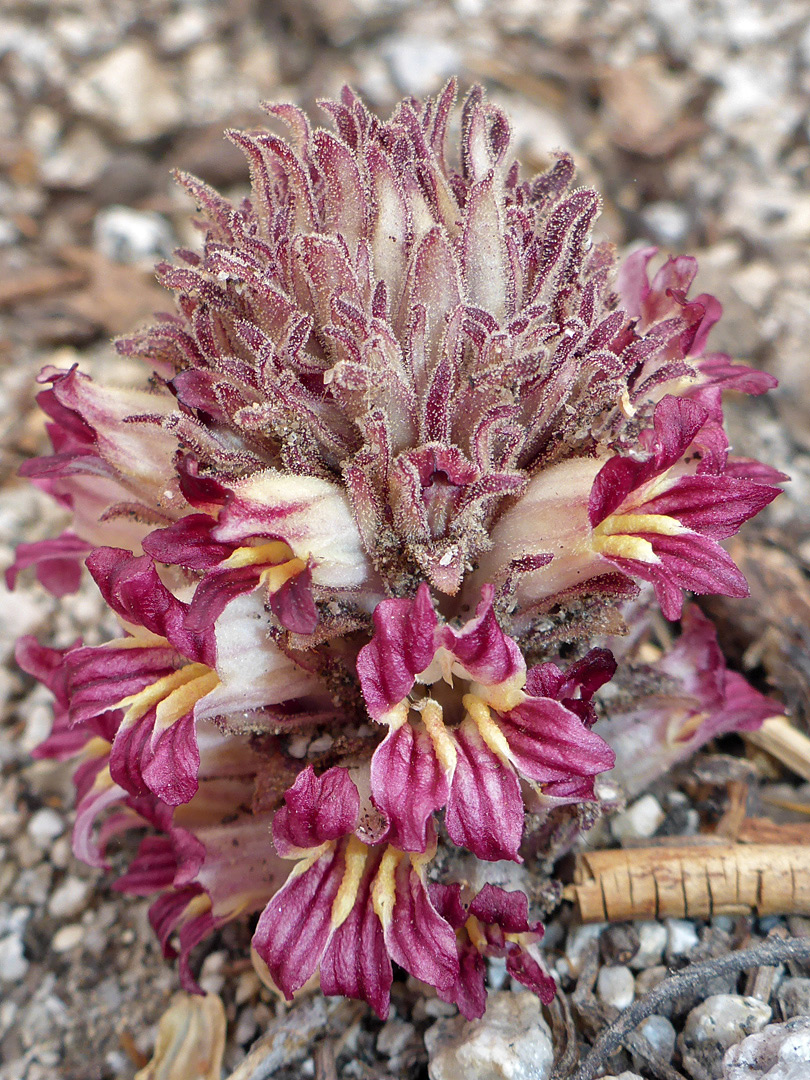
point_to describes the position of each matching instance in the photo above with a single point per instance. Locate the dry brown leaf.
(39, 281)
(190, 1042)
(646, 107)
(117, 298)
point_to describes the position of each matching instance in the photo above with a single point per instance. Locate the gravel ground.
(692, 119)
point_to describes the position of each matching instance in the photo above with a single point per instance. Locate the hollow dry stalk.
(691, 881)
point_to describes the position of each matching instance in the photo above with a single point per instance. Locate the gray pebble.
(660, 1034)
(713, 1026)
(616, 986)
(778, 1052)
(794, 997)
(511, 1041)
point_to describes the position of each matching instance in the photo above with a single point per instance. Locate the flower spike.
(415, 454)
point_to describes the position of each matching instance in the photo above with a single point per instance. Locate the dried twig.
(785, 742)
(325, 1063)
(598, 1014)
(564, 1035)
(729, 825)
(771, 952)
(694, 882)
(764, 831)
(289, 1037)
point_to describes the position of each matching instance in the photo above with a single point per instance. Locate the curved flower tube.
(655, 516)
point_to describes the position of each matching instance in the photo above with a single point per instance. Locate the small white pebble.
(578, 940)
(297, 746)
(61, 853)
(13, 921)
(320, 745)
(660, 1034)
(511, 1041)
(652, 940)
(246, 1027)
(716, 1024)
(682, 936)
(496, 972)
(13, 964)
(616, 986)
(437, 1008)
(211, 978)
(640, 820)
(563, 968)
(125, 235)
(247, 987)
(394, 1036)
(70, 898)
(45, 825)
(67, 937)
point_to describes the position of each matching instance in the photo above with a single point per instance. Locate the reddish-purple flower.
(503, 726)
(410, 440)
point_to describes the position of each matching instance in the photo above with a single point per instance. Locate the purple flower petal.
(58, 562)
(485, 807)
(482, 648)
(416, 936)
(296, 926)
(316, 809)
(131, 586)
(408, 783)
(356, 962)
(403, 645)
(548, 743)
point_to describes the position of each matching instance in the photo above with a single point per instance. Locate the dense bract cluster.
(414, 456)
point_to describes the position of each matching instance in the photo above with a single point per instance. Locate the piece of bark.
(691, 882)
